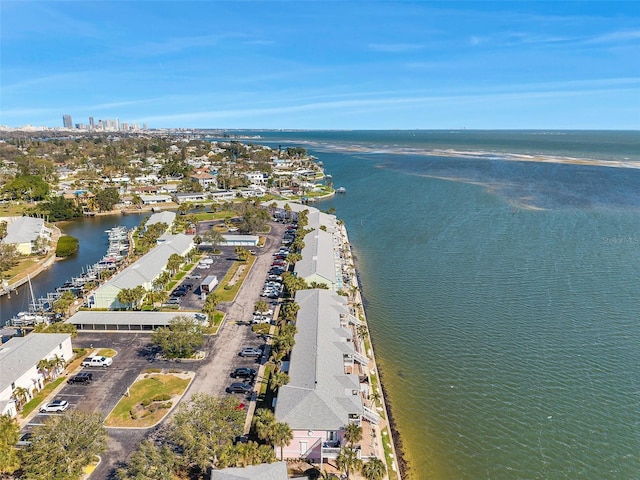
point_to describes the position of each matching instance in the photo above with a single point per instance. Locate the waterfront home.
(182, 197)
(155, 199)
(324, 393)
(165, 217)
(20, 376)
(25, 233)
(142, 273)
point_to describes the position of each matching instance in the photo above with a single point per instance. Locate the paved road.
(134, 355)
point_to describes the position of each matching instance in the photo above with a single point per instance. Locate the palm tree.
(44, 367)
(375, 397)
(353, 434)
(21, 395)
(347, 460)
(374, 469)
(277, 380)
(280, 434)
(263, 418)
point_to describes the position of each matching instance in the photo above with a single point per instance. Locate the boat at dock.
(41, 309)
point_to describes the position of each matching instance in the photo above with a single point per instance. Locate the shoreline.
(397, 447)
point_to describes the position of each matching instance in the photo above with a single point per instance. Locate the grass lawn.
(107, 352)
(31, 405)
(25, 265)
(212, 329)
(139, 409)
(388, 454)
(227, 292)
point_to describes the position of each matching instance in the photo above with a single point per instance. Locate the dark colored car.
(83, 378)
(25, 439)
(243, 372)
(239, 387)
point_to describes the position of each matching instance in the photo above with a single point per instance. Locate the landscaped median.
(232, 281)
(149, 399)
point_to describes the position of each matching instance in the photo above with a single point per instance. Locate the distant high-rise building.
(66, 121)
(144, 126)
(91, 124)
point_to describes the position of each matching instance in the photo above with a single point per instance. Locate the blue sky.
(322, 65)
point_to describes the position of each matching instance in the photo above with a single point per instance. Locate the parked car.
(173, 301)
(207, 261)
(257, 319)
(202, 266)
(97, 362)
(243, 372)
(24, 440)
(267, 312)
(239, 387)
(83, 378)
(194, 276)
(250, 352)
(274, 278)
(57, 406)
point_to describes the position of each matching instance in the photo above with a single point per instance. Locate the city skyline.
(104, 125)
(323, 65)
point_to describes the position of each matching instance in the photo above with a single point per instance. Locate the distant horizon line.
(32, 128)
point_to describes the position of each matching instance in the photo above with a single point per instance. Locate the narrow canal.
(90, 232)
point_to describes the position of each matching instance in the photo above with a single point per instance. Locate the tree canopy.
(64, 445)
(181, 339)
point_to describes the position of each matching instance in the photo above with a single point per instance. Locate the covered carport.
(87, 320)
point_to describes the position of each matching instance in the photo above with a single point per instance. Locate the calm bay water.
(501, 295)
(502, 301)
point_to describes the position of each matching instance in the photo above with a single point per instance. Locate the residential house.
(161, 217)
(155, 199)
(206, 180)
(182, 197)
(19, 358)
(25, 233)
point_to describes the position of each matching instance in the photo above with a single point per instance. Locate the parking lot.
(134, 354)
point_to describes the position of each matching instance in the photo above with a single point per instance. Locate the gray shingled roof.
(19, 354)
(264, 471)
(162, 217)
(319, 393)
(152, 264)
(317, 256)
(23, 230)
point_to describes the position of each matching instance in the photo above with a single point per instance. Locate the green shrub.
(67, 245)
(161, 397)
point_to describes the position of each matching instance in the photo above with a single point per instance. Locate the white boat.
(341, 190)
(28, 318)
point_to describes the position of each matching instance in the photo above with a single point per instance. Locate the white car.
(268, 312)
(57, 406)
(260, 319)
(97, 362)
